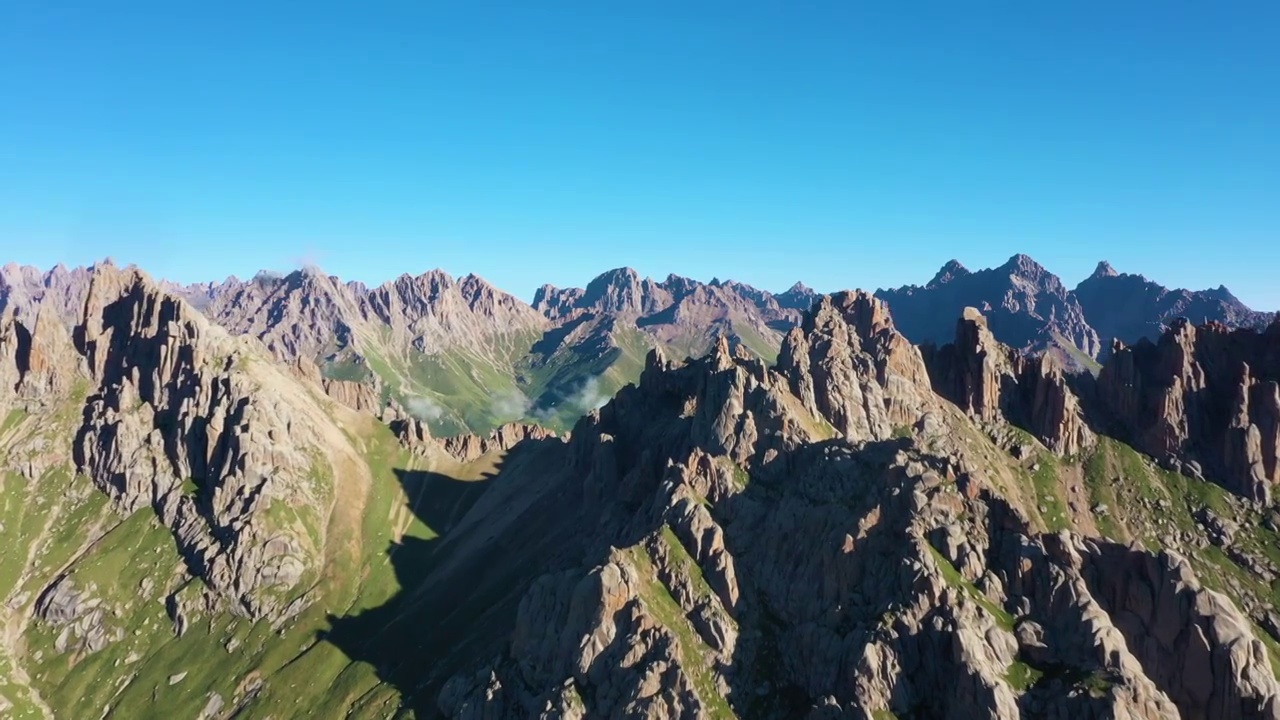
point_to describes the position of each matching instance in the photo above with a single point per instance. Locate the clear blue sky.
(842, 143)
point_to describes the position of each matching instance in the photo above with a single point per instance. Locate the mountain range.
(294, 496)
(466, 356)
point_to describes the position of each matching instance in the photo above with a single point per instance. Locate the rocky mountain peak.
(619, 291)
(25, 288)
(850, 366)
(1026, 306)
(179, 402)
(995, 384)
(1104, 270)
(798, 297)
(1130, 307)
(1024, 266)
(434, 312)
(1203, 398)
(948, 272)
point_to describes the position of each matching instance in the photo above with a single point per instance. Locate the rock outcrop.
(37, 361)
(1206, 395)
(993, 383)
(729, 563)
(466, 448)
(847, 363)
(210, 434)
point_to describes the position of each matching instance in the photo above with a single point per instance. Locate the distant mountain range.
(466, 356)
(1030, 308)
(230, 501)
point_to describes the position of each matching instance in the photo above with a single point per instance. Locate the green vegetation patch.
(12, 419)
(685, 563)
(220, 653)
(955, 579)
(1053, 508)
(1022, 676)
(1102, 495)
(693, 651)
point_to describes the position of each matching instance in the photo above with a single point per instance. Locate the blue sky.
(847, 144)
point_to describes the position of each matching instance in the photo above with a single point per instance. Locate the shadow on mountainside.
(556, 509)
(454, 594)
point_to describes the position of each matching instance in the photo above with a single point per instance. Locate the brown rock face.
(191, 422)
(849, 365)
(433, 312)
(15, 340)
(725, 555)
(310, 315)
(24, 289)
(469, 447)
(35, 362)
(993, 383)
(1206, 395)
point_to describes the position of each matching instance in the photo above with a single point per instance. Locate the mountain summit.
(1028, 307)
(1130, 307)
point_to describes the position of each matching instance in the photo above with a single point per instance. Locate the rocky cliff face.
(1129, 307)
(232, 461)
(1203, 399)
(728, 561)
(994, 384)
(23, 289)
(849, 365)
(36, 360)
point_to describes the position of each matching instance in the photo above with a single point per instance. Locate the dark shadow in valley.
(781, 326)
(664, 317)
(555, 507)
(553, 339)
(453, 591)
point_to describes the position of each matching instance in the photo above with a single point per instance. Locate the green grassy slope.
(61, 525)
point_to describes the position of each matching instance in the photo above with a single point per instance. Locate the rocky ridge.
(1204, 400)
(993, 383)
(1129, 307)
(1030, 309)
(848, 533)
(23, 289)
(740, 564)
(179, 424)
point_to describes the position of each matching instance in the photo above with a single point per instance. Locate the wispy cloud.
(587, 397)
(423, 408)
(510, 405)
